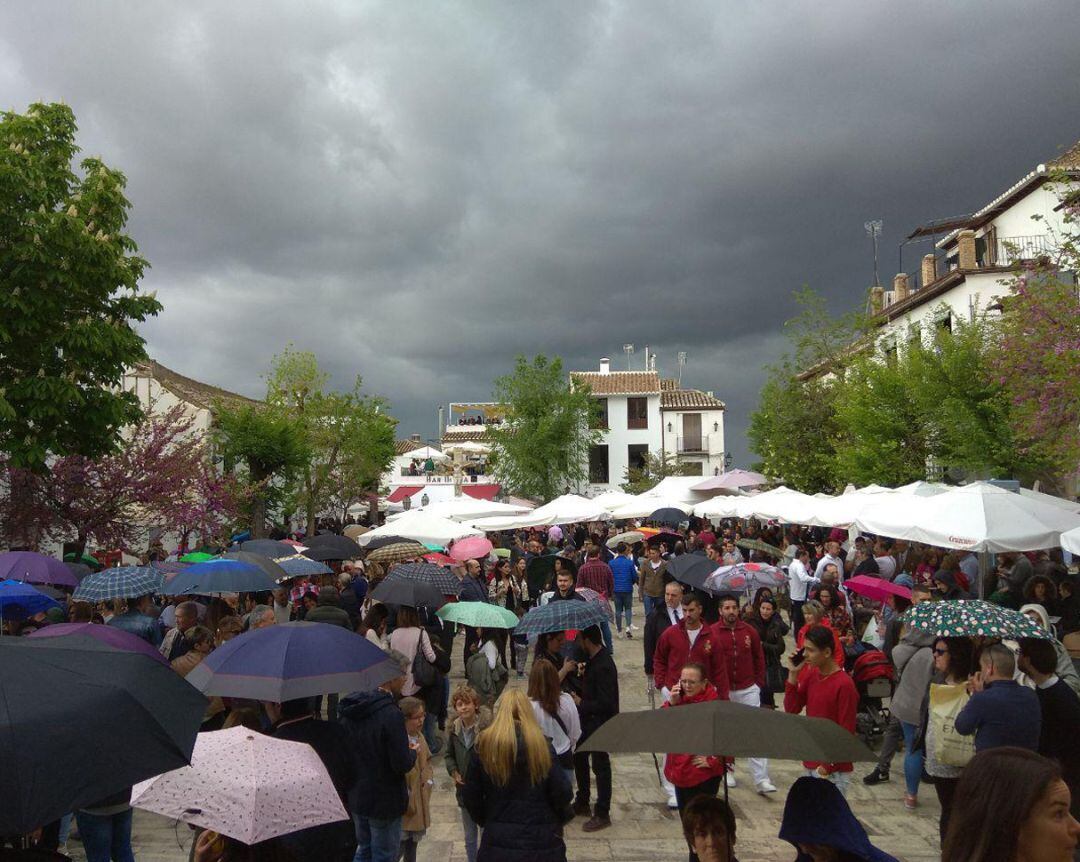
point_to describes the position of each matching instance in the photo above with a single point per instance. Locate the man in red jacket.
(689, 641)
(744, 661)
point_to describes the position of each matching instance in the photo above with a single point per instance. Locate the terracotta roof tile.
(620, 382)
(463, 433)
(689, 399)
(1068, 159)
(401, 447)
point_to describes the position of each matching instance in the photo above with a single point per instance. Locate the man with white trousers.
(745, 664)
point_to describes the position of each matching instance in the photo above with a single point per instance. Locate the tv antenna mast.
(628, 349)
(873, 230)
(682, 362)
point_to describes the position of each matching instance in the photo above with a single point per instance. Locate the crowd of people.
(965, 712)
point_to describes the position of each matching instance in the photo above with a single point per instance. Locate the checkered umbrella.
(299, 566)
(560, 616)
(598, 600)
(125, 582)
(427, 573)
(398, 552)
(972, 618)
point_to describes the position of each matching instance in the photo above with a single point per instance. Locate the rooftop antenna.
(682, 362)
(628, 349)
(873, 230)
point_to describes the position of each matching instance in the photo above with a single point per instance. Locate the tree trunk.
(258, 503)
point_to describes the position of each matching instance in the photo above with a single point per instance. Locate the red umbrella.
(440, 559)
(470, 548)
(877, 589)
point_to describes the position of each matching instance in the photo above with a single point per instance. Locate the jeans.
(759, 766)
(106, 837)
(431, 732)
(377, 840)
(624, 604)
(472, 835)
(913, 760)
(651, 604)
(840, 779)
(609, 642)
(601, 767)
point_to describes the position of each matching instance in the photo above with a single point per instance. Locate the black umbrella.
(259, 561)
(80, 721)
(538, 573)
(383, 541)
(411, 594)
(79, 570)
(268, 548)
(691, 569)
(722, 727)
(667, 538)
(330, 546)
(668, 515)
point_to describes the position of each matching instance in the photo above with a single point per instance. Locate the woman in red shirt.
(692, 774)
(817, 683)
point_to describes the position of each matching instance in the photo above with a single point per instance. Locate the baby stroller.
(874, 679)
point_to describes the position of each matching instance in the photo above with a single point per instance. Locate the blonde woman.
(515, 790)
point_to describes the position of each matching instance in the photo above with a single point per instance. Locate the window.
(693, 468)
(599, 418)
(636, 453)
(944, 323)
(637, 413)
(598, 465)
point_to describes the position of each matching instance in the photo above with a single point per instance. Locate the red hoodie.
(744, 659)
(679, 768)
(673, 652)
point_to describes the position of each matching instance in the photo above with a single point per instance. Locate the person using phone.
(825, 691)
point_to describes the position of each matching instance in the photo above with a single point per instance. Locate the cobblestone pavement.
(643, 830)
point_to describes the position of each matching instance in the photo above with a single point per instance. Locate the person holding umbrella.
(825, 691)
(693, 775)
(138, 620)
(599, 701)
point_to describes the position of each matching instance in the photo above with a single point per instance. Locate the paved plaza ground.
(643, 829)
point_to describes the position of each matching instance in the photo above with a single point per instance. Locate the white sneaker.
(729, 779)
(766, 786)
(672, 803)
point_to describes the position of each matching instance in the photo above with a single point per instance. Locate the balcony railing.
(692, 443)
(1013, 248)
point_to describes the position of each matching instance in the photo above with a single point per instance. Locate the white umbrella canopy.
(1070, 541)
(731, 480)
(612, 499)
(645, 504)
(723, 506)
(567, 509)
(1050, 499)
(469, 447)
(425, 452)
(465, 508)
(976, 517)
(422, 526)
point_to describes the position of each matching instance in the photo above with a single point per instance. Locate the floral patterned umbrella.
(972, 618)
(744, 576)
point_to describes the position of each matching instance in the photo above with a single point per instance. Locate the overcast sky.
(419, 191)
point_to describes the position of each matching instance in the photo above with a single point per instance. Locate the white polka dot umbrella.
(246, 785)
(972, 618)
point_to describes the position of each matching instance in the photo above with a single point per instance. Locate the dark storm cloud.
(419, 191)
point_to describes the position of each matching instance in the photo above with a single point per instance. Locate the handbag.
(775, 677)
(950, 748)
(424, 673)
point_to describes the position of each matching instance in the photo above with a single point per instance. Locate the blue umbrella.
(558, 616)
(35, 568)
(19, 601)
(291, 661)
(220, 576)
(299, 566)
(125, 582)
(268, 548)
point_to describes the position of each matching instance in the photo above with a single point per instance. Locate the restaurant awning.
(403, 491)
(481, 492)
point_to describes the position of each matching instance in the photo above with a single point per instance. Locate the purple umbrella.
(105, 634)
(293, 660)
(33, 568)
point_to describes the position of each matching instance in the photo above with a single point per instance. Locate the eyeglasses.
(940, 651)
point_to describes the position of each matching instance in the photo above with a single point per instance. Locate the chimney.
(929, 269)
(966, 246)
(646, 357)
(415, 438)
(877, 299)
(900, 287)
(605, 366)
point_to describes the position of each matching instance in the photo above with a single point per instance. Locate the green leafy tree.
(654, 467)
(349, 436)
(543, 445)
(268, 449)
(70, 295)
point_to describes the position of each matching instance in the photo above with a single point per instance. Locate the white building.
(641, 413)
(159, 389)
(963, 277)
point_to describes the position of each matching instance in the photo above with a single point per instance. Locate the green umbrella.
(85, 559)
(478, 614)
(196, 557)
(958, 618)
(723, 727)
(502, 553)
(763, 547)
(432, 547)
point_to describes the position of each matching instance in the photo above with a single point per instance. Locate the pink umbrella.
(470, 548)
(246, 785)
(731, 480)
(877, 589)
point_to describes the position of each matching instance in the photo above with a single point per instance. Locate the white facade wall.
(966, 301)
(712, 458)
(155, 398)
(618, 437)
(1017, 220)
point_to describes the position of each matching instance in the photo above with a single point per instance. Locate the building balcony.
(697, 444)
(1009, 249)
